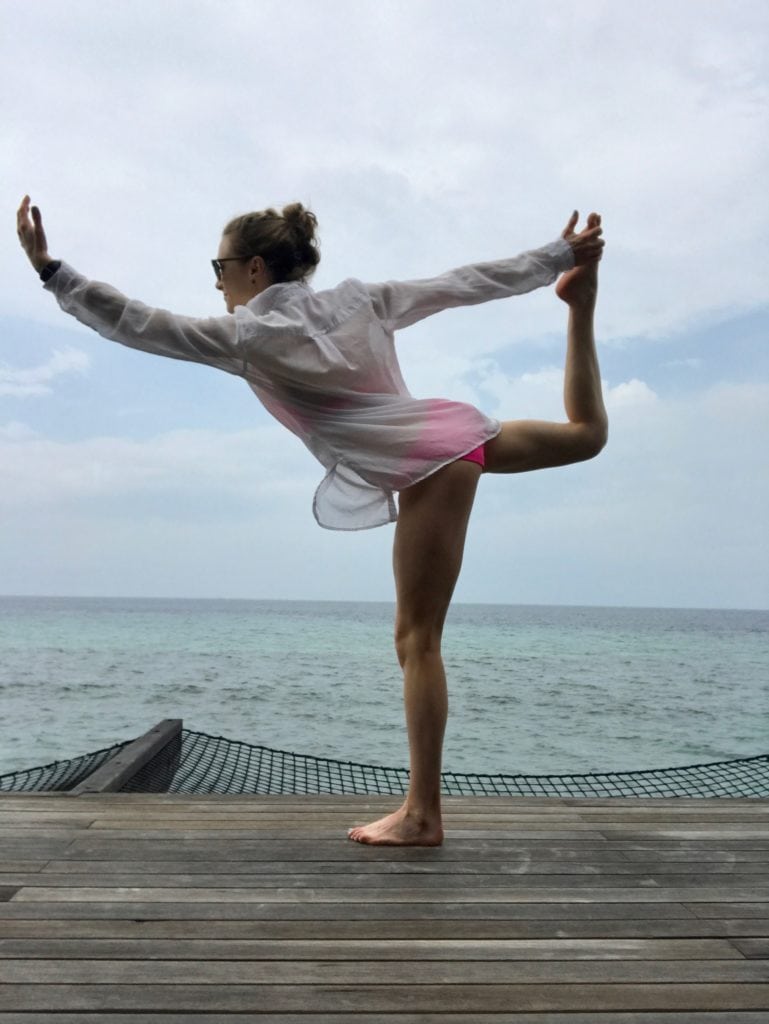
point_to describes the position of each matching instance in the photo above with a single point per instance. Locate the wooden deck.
(204, 909)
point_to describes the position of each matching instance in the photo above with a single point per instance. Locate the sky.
(425, 134)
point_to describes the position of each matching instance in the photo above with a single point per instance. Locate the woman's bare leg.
(427, 556)
(429, 542)
(524, 445)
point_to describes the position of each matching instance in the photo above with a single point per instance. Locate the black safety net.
(59, 776)
(195, 762)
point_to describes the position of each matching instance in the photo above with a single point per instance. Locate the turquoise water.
(532, 689)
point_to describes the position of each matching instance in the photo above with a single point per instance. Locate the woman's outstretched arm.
(401, 303)
(212, 341)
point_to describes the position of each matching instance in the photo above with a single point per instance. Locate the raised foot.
(402, 828)
(578, 287)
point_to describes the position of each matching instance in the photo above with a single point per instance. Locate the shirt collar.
(276, 295)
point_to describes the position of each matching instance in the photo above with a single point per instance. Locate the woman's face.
(240, 279)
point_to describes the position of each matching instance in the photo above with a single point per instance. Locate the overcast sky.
(424, 135)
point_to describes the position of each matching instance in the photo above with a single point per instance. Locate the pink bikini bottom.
(476, 455)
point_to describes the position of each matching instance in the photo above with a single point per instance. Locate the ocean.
(532, 689)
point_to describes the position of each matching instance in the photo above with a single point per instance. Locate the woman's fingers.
(22, 217)
(592, 226)
(572, 223)
(37, 220)
(32, 234)
(587, 246)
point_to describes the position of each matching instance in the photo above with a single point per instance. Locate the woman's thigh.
(429, 543)
(525, 445)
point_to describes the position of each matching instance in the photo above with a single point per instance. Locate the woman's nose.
(218, 284)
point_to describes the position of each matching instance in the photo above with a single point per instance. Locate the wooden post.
(113, 774)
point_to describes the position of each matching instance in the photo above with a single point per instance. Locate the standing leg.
(429, 542)
(523, 445)
(427, 556)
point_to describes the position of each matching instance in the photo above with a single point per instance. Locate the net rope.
(196, 762)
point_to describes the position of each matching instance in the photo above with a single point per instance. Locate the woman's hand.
(31, 235)
(587, 245)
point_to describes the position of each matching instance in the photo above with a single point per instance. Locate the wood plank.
(471, 804)
(444, 973)
(308, 805)
(195, 906)
(331, 838)
(359, 910)
(16, 832)
(399, 928)
(391, 894)
(685, 1017)
(463, 872)
(729, 885)
(704, 830)
(718, 910)
(362, 998)
(701, 856)
(460, 855)
(33, 843)
(758, 948)
(329, 827)
(122, 767)
(261, 849)
(412, 950)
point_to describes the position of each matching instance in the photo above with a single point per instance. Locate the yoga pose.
(324, 364)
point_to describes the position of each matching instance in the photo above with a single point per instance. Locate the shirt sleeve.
(212, 341)
(401, 303)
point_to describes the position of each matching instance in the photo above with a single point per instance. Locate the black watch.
(49, 270)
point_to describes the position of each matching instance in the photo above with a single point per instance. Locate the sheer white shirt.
(324, 364)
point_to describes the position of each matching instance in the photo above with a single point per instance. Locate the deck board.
(535, 911)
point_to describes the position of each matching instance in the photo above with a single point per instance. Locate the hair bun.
(286, 241)
(300, 220)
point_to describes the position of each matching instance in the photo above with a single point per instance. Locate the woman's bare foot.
(402, 828)
(578, 288)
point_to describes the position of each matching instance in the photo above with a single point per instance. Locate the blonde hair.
(286, 241)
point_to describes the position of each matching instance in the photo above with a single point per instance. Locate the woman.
(324, 364)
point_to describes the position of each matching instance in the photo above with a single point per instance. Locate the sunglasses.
(219, 269)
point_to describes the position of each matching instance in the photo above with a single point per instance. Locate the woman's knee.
(416, 641)
(596, 435)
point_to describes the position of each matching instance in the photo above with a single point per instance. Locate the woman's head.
(264, 248)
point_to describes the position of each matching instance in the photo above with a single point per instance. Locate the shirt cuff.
(563, 254)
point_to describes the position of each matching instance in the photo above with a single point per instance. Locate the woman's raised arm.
(212, 341)
(401, 303)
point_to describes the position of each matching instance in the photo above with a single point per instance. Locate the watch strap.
(49, 270)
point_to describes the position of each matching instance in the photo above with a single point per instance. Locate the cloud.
(690, 363)
(175, 474)
(533, 394)
(456, 145)
(673, 512)
(14, 430)
(629, 393)
(36, 380)
(425, 137)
